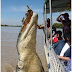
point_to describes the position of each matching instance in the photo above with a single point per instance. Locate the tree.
(57, 25)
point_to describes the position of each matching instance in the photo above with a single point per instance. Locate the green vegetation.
(57, 25)
(10, 25)
(4, 25)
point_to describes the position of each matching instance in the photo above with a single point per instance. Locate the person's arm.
(40, 27)
(63, 58)
(59, 19)
(55, 45)
(49, 40)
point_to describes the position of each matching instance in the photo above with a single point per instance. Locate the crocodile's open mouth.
(30, 26)
(29, 23)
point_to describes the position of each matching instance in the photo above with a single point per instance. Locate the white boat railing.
(54, 64)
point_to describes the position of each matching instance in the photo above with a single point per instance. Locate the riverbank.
(11, 25)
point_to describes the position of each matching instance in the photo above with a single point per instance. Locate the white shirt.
(66, 46)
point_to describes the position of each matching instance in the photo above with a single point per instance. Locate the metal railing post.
(50, 5)
(45, 23)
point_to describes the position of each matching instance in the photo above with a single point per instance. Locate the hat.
(66, 14)
(58, 32)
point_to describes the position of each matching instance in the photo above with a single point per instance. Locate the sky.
(12, 11)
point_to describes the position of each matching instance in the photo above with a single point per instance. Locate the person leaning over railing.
(63, 46)
(48, 27)
(56, 37)
(58, 46)
(65, 53)
(67, 47)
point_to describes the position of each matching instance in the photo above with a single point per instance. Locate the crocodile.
(29, 60)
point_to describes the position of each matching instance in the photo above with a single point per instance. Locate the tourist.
(67, 47)
(63, 47)
(64, 19)
(48, 28)
(56, 37)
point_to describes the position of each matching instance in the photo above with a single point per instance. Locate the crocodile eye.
(25, 47)
(28, 10)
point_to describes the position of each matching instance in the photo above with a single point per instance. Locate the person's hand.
(38, 26)
(62, 14)
(58, 56)
(60, 19)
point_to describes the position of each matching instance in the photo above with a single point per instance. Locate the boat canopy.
(58, 5)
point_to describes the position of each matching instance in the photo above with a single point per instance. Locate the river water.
(9, 55)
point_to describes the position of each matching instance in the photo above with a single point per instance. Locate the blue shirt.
(68, 53)
(58, 46)
(68, 67)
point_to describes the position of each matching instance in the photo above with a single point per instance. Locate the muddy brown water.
(9, 55)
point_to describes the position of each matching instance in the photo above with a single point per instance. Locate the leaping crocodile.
(28, 61)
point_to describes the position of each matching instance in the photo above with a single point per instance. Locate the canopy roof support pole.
(45, 24)
(50, 6)
(44, 28)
